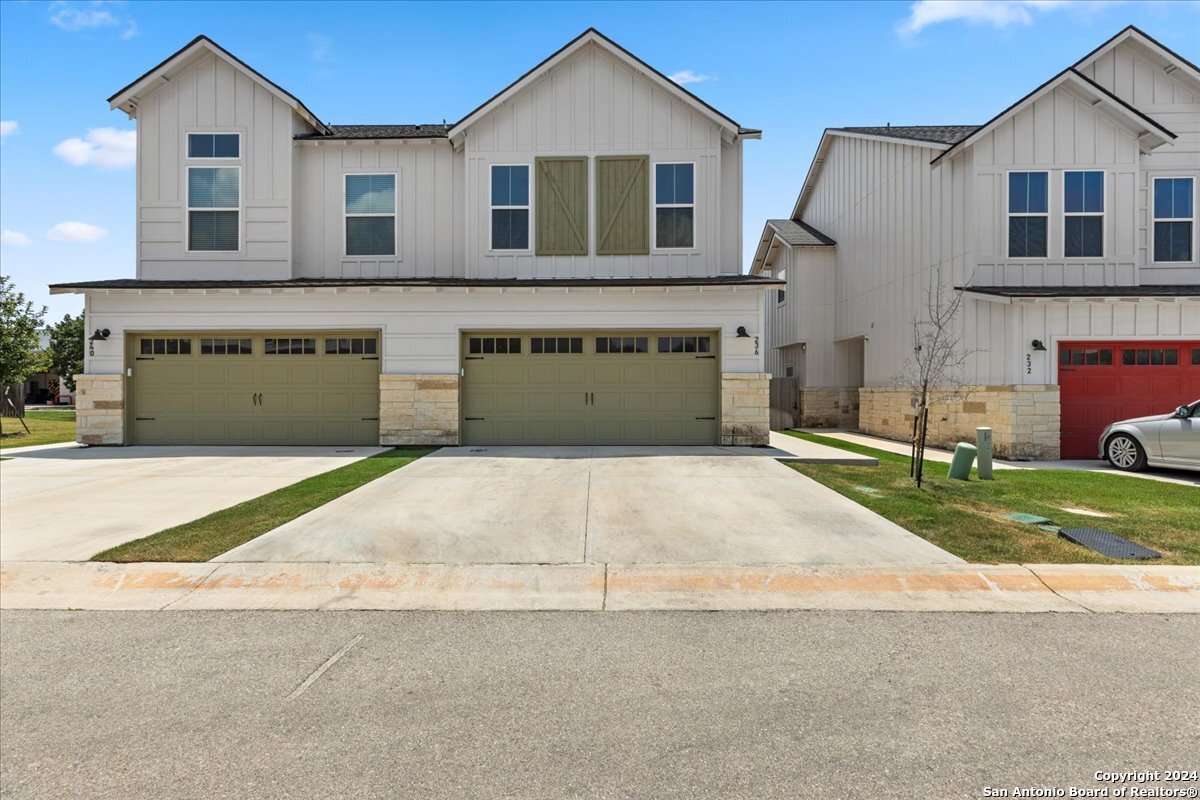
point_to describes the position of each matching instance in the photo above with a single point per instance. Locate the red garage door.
(1102, 382)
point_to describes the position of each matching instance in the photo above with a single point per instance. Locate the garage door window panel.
(1028, 214)
(351, 346)
(290, 347)
(610, 345)
(165, 347)
(1174, 219)
(685, 344)
(494, 345)
(226, 347)
(214, 209)
(556, 345)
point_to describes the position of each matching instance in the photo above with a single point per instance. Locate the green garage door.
(273, 388)
(598, 387)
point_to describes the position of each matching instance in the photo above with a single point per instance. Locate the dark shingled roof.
(422, 131)
(1164, 290)
(798, 233)
(938, 134)
(318, 283)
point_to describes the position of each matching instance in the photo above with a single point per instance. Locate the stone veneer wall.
(745, 408)
(829, 408)
(1024, 419)
(100, 409)
(418, 409)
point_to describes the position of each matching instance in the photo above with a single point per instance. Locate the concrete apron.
(595, 587)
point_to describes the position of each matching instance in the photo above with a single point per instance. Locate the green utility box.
(960, 465)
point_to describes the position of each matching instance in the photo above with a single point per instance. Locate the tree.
(66, 349)
(20, 349)
(935, 365)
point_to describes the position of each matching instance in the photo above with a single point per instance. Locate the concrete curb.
(1071, 588)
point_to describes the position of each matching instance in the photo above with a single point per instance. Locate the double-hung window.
(1174, 219)
(371, 215)
(1028, 205)
(781, 294)
(510, 207)
(1083, 214)
(213, 208)
(674, 206)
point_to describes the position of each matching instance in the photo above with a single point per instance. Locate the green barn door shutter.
(562, 207)
(622, 205)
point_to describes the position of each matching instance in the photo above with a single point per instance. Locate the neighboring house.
(1069, 220)
(560, 266)
(44, 388)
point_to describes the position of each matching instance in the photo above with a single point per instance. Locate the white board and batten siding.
(211, 96)
(592, 105)
(429, 208)
(804, 316)
(421, 327)
(1137, 77)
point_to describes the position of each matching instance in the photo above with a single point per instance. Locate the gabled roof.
(1135, 34)
(793, 233)
(126, 99)
(1134, 119)
(593, 36)
(936, 134)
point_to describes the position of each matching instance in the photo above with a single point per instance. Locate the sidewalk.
(1075, 588)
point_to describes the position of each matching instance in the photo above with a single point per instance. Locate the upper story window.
(213, 208)
(371, 215)
(1028, 204)
(1174, 219)
(510, 207)
(781, 294)
(214, 145)
(1083, 214)
(674, 206)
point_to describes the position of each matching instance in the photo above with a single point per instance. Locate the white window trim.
(1154, 218)
(395, 215)
(1008, 215)
(1102, 214)
(782, 277)
(491, 249)
(655, 205)
(187, 213)
(189, 157)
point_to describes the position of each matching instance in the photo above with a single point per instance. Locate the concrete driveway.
(555, 505)
(68, 503)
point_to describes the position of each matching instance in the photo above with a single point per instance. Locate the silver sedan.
(1161, 440)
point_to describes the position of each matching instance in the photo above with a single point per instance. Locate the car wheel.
(1124, 452)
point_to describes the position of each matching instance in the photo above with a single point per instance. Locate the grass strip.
(964, 517)
(221, 531)
(45, 427)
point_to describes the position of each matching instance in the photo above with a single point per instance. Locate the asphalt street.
(605, 705)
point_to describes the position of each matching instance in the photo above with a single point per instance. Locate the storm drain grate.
(1107, 543)
(1031, 519)
(1051, 528)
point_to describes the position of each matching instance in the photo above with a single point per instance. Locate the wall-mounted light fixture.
(804, 347)
(101, 335)
(741, 332)
(1037, 345)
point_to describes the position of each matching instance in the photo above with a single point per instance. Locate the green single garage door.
(260, 388)
(597, 387)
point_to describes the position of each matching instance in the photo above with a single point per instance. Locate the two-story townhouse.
(560, 266)
(1069, 221)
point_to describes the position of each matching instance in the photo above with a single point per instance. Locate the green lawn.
(964, 516)
(45, 427)
(208, 537)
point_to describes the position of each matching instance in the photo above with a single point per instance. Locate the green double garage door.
(277, 388)
(593, 387)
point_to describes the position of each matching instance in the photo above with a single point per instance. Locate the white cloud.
(686, 76)
(8, 127)
(320, 47)
(997, 13)
(76, 232)
(14, 238)
(104, 147)
(95, 14)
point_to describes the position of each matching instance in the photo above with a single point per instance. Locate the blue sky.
(66, 178)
